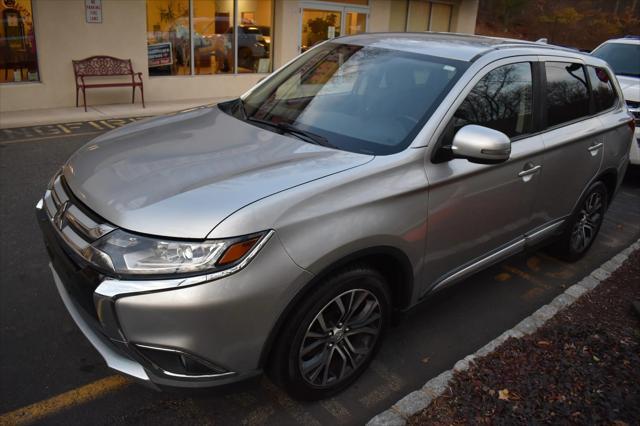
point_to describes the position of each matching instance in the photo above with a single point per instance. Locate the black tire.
(583, 226)
(334, 341)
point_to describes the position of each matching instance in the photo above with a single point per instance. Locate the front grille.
(70, 218)
(69, 228)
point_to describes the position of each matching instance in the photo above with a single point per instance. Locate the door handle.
(593, 149)
(531, 170)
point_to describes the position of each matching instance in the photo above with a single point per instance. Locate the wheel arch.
(391, 262)
(610, 179)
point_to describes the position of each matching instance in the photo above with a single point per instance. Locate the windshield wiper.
(293, 130)
(306, 135)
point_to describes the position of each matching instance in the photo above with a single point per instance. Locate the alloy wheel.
(340, 338)
(588, 222)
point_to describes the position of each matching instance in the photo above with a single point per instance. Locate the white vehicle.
(623, 54)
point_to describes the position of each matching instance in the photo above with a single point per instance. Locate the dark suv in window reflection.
(253, 44)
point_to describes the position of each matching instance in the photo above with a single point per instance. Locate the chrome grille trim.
(74, 226)
(49, 204)
(74, 240)
(85, 225)
(59, 191)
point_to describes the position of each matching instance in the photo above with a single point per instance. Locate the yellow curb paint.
(81, 395)
(41, 138)
(525, 276)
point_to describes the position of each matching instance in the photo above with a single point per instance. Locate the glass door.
(319, 25)
(356, 22)
(320, 22)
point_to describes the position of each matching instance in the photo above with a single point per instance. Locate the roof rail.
(522, 44)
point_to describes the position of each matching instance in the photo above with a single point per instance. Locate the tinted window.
(624, 58)
(501, 101)
(567, 93)
(359, 98)
(602, 88)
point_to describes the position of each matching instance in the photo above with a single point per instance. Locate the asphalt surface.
(43, 354)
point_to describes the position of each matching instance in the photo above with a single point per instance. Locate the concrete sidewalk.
(98, 112)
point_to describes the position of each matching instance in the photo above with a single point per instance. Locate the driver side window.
(502, 101)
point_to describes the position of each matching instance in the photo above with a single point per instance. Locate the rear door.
(572, 137)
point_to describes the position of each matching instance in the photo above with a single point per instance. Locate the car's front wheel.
(333, 335)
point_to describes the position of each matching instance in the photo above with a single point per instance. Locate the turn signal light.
(237, 251)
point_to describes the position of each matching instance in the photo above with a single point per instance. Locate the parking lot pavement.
(47, 365)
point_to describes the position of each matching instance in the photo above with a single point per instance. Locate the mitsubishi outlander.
(280, 231)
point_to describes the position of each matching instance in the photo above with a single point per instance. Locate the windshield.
(355, 98)
(624, 58)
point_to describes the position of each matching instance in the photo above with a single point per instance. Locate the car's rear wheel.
(583, 225)
(333, 335)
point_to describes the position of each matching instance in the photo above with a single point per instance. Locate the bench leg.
(133, 95)
(142, 95)
(84, 98)
(77, 90)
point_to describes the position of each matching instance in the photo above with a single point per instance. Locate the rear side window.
(601, 88)
(502, 101)
(567, 92)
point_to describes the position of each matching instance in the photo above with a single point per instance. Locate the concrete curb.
(418, 400)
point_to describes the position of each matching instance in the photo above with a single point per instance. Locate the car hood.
(181, 175)
(630, 87)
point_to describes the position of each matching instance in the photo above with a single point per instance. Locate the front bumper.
(222, 324)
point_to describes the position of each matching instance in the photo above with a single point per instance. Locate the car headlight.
(126, 253)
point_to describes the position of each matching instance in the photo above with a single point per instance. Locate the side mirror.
(481, 145)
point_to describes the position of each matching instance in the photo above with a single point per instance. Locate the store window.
(423, 15)
(18, 58)
(198, 37)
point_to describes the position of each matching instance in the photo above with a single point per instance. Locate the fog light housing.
(177, 363)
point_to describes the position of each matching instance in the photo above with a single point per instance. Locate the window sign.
(160, 55)
(18, 59)
(93, 11)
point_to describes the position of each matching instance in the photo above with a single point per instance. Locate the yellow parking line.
(86, 393)
(42, 138)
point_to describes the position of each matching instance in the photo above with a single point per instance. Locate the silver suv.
(282, 230)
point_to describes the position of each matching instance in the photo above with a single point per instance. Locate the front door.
(320, 22)
(479, 213)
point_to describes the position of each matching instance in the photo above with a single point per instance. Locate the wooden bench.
(105, 66)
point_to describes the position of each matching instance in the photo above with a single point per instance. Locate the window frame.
(236, 17)
(539, 98)
(611, 83)
(592, 105)
(533, 98)
(446, 122)
(544, 109)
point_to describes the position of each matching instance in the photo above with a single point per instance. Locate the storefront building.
(186, 49)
